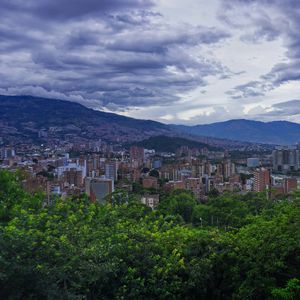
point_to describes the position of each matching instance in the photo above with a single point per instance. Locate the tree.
(76, 249)
(154, 173)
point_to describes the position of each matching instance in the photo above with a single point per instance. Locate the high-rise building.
(98, 188)
(229, 168)
(226, 168)
(73, 177)
(286, 159)
(7, 153)
(262, 180)
(206, 181)
(111, 170)
(136, 156)
(253, 162)
(182, 151)
(156, 164)
(196, 186)
(60, 171)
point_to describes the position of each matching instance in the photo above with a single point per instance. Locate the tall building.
(253, 162)
(182, 151)
(98, 188)
(229, 168)
(206, 181)
(111, 170)
(156, 164)
(226, 168)
(262, 180)
(136, 156)
(286, 159)
(7, 153)
(60, 171)
(196, 186)
(73, 177)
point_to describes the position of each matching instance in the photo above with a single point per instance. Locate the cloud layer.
(114, 54)
(270, 19)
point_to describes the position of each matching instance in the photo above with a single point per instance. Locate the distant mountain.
(22, 117)
(170, 144)
(277, 132)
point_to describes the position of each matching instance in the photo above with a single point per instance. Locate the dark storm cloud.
(64, 10)
(272, 19)
(116, 54)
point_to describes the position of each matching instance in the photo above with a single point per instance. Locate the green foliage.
(154, 173)
(181, 203)
(213, 193)
(75, 249)
(290, 292)
(45, 174)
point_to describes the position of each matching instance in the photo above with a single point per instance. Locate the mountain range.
(276, 132)
(23, 117)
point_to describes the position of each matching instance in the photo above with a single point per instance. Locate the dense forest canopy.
(233, 247)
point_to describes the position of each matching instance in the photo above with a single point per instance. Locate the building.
(286, 159)
(182, 151)
(253, 162)
(98, 188)
(136, 174)
(60, 171)
(111, 170)
(35, 184)
(156, 164)
(150, 200)
(150, 183)
(262, 180)
(174, 185)
(195, 185)
(289, 185)
(7, 153)
(73, 177)
(137, 156)
(228, 168)
(206, 181)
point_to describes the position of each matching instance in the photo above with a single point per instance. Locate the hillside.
(21, 117)
(170, 144)
(277, 132)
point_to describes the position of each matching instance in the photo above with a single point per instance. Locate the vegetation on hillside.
(233, 247)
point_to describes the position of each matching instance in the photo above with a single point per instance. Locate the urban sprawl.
(100, 170)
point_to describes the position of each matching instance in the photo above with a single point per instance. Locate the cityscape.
(99, 169)
(149, 150)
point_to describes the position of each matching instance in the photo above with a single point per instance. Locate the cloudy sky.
(174, 61)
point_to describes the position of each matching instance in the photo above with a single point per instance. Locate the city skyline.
(186, 63)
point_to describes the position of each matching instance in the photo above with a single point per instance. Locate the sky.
(181, 62)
